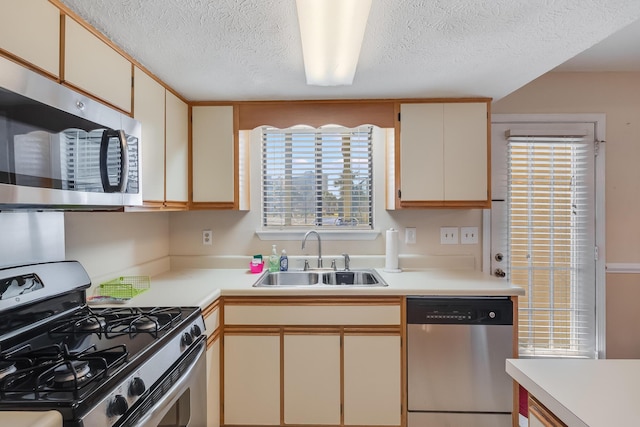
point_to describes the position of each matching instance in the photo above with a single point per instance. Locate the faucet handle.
(346, 261)
(333, 265)
(306, 265)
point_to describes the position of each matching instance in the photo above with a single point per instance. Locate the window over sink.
(317, 178)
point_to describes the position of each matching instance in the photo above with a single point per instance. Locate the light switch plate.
(410, 235)
(469, 235)
(448, 235)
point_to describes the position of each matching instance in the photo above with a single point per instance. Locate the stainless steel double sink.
(299, 278)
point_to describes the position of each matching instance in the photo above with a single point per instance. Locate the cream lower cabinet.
(212, 327)
(311, 379)
(213, 384)
(328, 362)
(372, 380)
(251, 379)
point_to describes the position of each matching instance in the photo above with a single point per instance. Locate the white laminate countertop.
(583, 393)
(200, 287)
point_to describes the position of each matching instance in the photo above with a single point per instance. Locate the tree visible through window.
(317, 177)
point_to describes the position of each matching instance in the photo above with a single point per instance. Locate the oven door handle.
(156, 413)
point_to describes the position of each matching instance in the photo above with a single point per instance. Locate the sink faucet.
(346, 261)
(319, 245)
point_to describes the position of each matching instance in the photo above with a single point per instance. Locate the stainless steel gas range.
(116, 366)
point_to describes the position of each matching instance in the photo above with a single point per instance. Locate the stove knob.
(196, 331)
(187, 339)
(136, 387)
(118, 406)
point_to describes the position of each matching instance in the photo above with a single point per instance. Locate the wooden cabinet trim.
(545, 416)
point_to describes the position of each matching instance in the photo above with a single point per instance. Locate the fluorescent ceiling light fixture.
(332, 33)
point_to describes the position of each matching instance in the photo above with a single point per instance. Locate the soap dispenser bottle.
(274, 260)
(284, 261)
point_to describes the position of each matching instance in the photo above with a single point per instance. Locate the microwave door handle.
(124, 159)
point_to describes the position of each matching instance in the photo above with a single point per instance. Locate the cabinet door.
(177, 151)
(465, 151)
(422, 152)
(213, 155)
(252, 379)
(444, 154)
(149, 106)
(213, 384)
(93, 66)
(372, 382)
(312, 379)
(30, 29)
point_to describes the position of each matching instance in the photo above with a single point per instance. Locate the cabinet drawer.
(211, 318)
(309, 314)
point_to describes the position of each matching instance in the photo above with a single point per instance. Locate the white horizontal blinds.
(317, 177)
(551, 243)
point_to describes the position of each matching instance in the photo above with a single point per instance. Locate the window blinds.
(551, 237)
(317, 177)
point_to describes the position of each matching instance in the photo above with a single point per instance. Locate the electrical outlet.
(469, 235)
(410, 235)
(207, 237)
(448, 235)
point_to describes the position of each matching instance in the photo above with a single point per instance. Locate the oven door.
(179, 398)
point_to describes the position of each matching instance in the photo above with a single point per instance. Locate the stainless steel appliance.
(62, 149)
(456, 351)
(119, 366)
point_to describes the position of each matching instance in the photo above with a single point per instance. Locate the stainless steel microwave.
(60, 149)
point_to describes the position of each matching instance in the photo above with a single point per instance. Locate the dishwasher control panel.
(453, 310)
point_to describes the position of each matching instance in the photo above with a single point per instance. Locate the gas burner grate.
(55, 372)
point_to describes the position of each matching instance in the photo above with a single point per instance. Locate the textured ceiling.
(250, 49)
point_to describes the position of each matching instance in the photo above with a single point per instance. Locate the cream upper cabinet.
(149, 109)
(311, 379)
(251, 379)
(30, 30)
(372, 380)
(95, 67)
(213, 155)
(177, 151)
(444, 154)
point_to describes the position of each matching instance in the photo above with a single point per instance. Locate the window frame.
(313, 147)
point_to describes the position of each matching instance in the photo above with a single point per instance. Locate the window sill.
(324, 234)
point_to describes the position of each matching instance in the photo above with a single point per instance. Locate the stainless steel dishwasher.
(456, 351)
